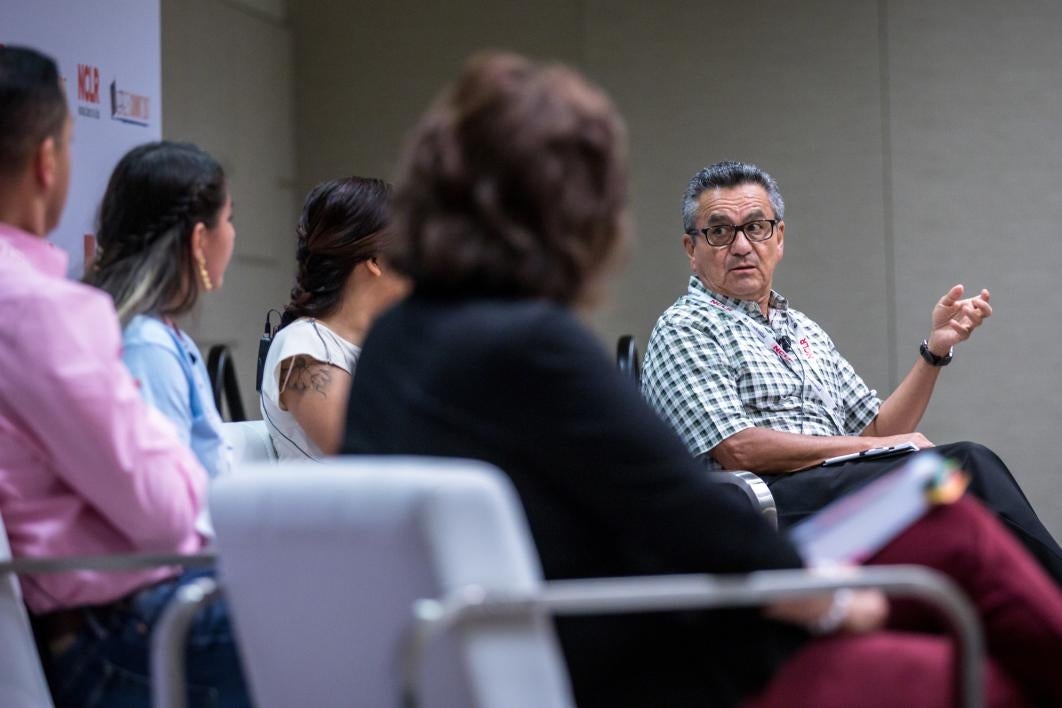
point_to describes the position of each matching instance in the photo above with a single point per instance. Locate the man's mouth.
(743, 267)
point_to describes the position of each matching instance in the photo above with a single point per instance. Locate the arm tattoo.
(307, 374)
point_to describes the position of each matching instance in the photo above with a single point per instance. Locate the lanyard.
(770, 341)
(767, 335)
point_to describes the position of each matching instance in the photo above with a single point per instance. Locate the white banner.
(109, 56)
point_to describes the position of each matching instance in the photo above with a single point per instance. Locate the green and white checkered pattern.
(709, 374)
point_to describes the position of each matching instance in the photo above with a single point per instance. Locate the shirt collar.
(776, 301)
(39, 253)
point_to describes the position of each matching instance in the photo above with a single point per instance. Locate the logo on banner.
(88, 91)
(129, 107)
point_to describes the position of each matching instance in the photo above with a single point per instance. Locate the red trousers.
(911, 662)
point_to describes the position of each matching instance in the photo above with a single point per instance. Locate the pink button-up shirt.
(86, 467)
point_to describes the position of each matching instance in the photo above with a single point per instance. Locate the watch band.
(931, 358)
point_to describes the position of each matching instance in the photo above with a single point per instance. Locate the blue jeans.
(108, 664)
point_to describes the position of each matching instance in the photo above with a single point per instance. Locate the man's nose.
(741, 244)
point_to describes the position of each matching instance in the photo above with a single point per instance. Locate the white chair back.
(321, 565)
(22, 681)
(249, 440)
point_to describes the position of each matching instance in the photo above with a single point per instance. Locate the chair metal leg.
(168, 642)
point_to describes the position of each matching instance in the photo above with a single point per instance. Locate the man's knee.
(972, 456)
(990, 478)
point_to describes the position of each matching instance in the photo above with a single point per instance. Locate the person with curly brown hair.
(511, 203)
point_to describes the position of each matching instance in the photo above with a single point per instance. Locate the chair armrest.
(688, 592)
(172, 660)
(115, 563)
(755, 489)
(168, 640)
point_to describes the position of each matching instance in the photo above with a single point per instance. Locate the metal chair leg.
(168, 642)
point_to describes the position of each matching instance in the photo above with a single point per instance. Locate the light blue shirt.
(173, 378)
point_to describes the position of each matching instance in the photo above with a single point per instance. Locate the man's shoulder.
(38, 293)
(48, 317)
(807, 323)
(690, 313)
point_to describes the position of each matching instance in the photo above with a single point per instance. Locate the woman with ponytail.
(165, 237)
(341, 285)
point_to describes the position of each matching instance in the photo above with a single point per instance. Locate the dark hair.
(513, 184)
(726, 174)
(157, 193)
(32, 104)
(343, 223)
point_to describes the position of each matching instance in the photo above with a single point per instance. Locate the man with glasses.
(752, 384)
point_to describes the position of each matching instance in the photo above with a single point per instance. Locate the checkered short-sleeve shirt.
(710, 375)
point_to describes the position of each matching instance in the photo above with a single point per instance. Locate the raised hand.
(955, 317)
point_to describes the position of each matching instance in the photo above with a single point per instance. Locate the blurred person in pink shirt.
(86, 467)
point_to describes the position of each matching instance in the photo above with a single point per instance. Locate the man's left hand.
(955, 317)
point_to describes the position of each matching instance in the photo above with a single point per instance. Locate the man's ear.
(687, 243)
(780, 228)
(45, 161)
(374, 267)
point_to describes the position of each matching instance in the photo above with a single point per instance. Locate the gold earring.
(208, 284)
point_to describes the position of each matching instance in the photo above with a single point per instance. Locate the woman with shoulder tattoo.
(341, 285)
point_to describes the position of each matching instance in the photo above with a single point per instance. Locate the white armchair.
(22, 681)
(341, 579)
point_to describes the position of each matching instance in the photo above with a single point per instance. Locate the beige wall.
(976, 101)
(916, 145)
(227, 85)
(366, 70)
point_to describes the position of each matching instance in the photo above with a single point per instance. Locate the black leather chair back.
(223, 382)
(627, 359)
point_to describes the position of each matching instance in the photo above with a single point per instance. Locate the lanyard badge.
(771, 341)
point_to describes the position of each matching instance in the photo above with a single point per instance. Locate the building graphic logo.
(88, 91)
(129, 107)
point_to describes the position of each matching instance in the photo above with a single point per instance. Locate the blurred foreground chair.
(629, 363)
(343, 578)
(22, 681)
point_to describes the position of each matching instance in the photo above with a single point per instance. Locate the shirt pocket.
(768, 386)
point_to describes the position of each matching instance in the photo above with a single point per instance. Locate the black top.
(608, 488)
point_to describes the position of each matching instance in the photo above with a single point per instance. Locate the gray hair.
(726, 174)
(146, 281)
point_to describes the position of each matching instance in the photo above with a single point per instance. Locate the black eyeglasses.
(720, 235)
